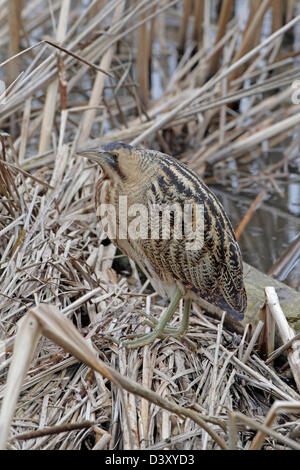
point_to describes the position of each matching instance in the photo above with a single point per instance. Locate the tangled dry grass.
(51, 249)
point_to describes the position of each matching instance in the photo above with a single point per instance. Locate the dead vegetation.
(97, 87)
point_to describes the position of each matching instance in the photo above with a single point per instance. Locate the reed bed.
(78, 76)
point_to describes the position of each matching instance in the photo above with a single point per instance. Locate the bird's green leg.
(185, 317)
(159, 328)
(169, 330)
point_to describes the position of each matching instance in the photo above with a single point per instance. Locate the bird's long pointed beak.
(95, 155)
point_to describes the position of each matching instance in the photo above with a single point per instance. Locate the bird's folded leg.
(160, 329)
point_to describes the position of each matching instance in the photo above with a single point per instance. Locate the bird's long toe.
(142, 341)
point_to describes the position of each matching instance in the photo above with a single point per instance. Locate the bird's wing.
(213, 271)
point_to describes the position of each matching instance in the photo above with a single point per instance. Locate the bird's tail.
(216, 299)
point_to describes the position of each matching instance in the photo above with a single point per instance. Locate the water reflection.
(270, 231)
(294, 195)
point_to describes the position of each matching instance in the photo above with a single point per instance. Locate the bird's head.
(119, 161)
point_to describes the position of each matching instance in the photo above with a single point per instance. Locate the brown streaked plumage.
(213, 272)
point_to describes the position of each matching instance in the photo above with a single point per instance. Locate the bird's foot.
(168, 330)
(143, 339)
(160, 328)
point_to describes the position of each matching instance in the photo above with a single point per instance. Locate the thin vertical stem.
(187, 9)
(198, 22)
(142, 60)
(225, 16)
(14, 21)
(252, 32)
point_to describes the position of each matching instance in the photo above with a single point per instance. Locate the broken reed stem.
(15, 28)
(143, 60)
(24, 348)
(78, 57)
(287, 259)
(286, 332)
(277, 408)
(281, 349)
(67, 427)
(253, 341)
(270, 330)
(249, 214)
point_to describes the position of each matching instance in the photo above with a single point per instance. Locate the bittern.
(211, 270)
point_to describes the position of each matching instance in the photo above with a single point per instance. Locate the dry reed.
(165, 395)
